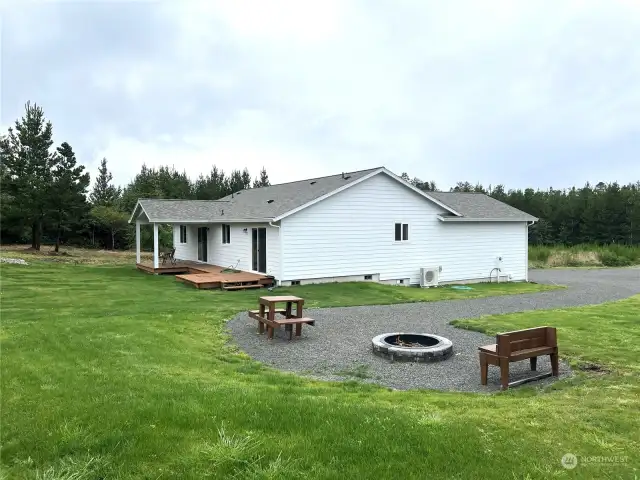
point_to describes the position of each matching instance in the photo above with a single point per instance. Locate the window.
(402, 232)
(183, 234)
(368, 277)
(295, 282)
(226, 233)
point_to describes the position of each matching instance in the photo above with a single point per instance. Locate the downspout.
(526, 270)
(271, 224)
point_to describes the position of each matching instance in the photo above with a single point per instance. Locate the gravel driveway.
(339, 346)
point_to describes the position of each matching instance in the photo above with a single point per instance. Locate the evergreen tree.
(68, 200)
(27, 164)
(239, 180)
(163, 182)
(104, 193)
(246, 179)
(263, 181)
(211, 187)
(464, 187)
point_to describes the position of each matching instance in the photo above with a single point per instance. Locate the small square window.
(183, 234)
(402, 232)
(226, 233)
(368, 277)
(295, 282)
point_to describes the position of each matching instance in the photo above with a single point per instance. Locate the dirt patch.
(73, 255)
(592, 367)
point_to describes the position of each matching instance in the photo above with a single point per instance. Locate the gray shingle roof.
(271, 202)
(481, 206)
(254, 202)
(204, 211)
(250, 204)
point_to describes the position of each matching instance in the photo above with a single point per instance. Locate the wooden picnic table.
(266, 314)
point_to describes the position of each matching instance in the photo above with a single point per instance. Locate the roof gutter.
(468, 219)
(221, 219)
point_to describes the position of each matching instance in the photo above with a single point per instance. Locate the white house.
(366, 225)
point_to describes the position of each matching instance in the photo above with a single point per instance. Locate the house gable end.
(364, 179)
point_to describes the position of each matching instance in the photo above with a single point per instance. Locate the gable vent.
(269, 201)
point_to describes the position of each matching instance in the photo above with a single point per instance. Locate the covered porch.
(197, 247)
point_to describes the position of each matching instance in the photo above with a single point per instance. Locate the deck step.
(241, 287)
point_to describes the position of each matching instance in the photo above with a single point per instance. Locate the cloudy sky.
(524, 93)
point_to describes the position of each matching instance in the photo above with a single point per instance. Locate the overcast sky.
(525, 93)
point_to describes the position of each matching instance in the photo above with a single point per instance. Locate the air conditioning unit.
(429, 276)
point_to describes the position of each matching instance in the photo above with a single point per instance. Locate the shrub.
(611, 259)
(632, 253)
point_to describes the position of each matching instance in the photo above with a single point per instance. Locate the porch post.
(137, 241)
(156, 257)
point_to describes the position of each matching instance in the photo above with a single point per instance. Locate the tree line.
(603, 213)
(45, 197)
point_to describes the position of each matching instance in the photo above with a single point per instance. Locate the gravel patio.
(339, 346)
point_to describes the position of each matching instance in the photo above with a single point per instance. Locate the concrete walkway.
(339, 347)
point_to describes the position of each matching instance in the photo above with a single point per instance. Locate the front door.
(202, 244)
(259, 250)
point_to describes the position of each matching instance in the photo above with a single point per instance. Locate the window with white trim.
(183, 234)
(402, 232)
(226, 233)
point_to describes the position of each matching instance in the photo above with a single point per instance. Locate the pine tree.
(103, 192)
(69, 190)
(239, 180)
(263, 181)
(211, 187)
(27, 165)
(246, 179)
(463, 187)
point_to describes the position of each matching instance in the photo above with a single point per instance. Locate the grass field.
(111, 373)
(540, 256)
(543, 256)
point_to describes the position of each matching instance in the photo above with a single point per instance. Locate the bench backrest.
(511, 342)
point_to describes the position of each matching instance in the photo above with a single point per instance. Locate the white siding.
(189, 250)
(238, 252)
(470, 251)
(352, 233)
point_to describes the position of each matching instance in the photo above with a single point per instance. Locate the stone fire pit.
(412, 347)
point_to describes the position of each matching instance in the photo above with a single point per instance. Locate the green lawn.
(110, 373)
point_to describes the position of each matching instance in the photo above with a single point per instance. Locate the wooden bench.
(278, 322)
(516, 346)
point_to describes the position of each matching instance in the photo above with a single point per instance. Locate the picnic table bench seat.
(266, 315)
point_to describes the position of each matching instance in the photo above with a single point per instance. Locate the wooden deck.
(181, 266)
(203, 275)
